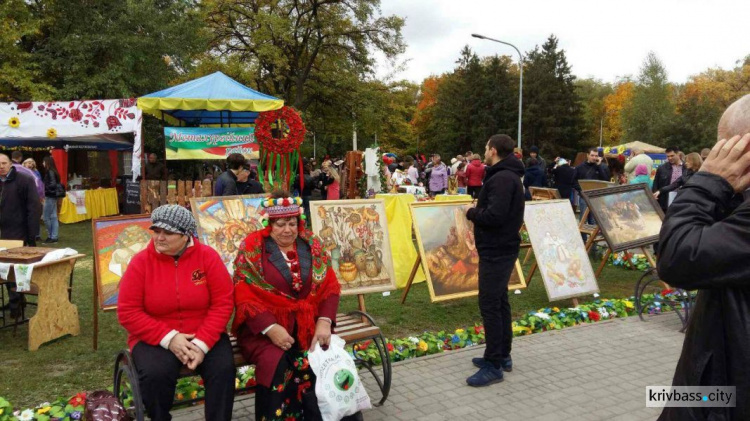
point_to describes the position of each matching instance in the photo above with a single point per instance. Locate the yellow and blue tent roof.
(210, 100)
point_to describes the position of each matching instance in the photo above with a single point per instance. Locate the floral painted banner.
(210, 142)
(69, 119)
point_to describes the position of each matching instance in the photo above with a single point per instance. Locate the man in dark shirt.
(226, 184)
(154, 170)
(591, 170)
(247, 183)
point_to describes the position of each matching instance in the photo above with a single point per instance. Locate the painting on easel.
(446, 247)
(224, 221)
(116, 241)
(355, 232)
(628, 216)
(559, 250)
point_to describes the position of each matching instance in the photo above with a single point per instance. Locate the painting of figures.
(355, 233)
(225, 221)
(559, 249)
(446, 246)
(628, 216)
(116, 241)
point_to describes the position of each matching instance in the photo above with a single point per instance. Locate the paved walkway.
(590, 372)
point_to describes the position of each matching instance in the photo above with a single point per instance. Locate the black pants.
(14, 298)
(474, 191)
(494, 274)
(158, 369)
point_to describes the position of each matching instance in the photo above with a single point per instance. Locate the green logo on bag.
(344, 379)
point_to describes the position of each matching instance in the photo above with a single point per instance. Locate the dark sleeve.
(674, 186)
(219, 187)
(693, 252)
(230, 189)
(657, 180)
(33, 212)
(603, 173)
(498, 203)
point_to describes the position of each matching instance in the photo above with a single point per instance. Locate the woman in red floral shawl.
(286, 298)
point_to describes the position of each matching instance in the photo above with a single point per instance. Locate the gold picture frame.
(451, 266)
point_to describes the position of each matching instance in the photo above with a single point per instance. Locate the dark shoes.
(507, 363)
(50, 241)
(486, 376)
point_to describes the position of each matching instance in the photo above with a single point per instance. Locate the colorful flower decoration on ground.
(52, 133)
(629, 261)
(14, 122)
(279, 157)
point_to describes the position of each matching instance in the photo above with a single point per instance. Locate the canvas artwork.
(446, 246)
(116, 241)
(628, 216)
(543, 193)
(355, 232)
(559, 249)
(225, 221)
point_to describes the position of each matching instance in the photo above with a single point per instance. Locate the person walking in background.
(461, 178)
(455, 163)
(31, 165)
(49, 211)
(226, 184)
(154, 170)
(497, 219)
(637, 158)
(534, 154)
(590, 170)
(333, 186)
(20, 209)
(704, 245)
(704, 153)
(666, 174)
(693, 163)
(438, 176)
(17, 158)
(533, 176)
(641, 176)
(565, 179)
(474, 176)
(412, 173)
(246, 182)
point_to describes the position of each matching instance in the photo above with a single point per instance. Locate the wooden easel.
(413, 274)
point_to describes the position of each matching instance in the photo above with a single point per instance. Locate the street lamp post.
(520, 82)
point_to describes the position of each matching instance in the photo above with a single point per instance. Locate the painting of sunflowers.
(449, 255)
(224, 221)
(355, 233)
(559, 249)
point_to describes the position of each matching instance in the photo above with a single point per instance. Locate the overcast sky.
(604, 39)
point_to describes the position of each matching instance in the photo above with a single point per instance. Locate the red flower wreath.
(294, 137)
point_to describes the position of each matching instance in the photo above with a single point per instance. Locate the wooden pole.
(604, 262)
(411, 278)
(96, 311)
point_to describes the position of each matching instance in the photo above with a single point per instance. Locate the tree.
(301, 50)
(593, 92)
(114, 48)
(19, 76)
(552, 115)
(614, 103)
(650, 117)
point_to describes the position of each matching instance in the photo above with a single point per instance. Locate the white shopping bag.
(337, 386)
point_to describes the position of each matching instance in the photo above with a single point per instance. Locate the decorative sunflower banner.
(70, 119)
(279, 134)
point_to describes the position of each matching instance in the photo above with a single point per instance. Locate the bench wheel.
(126, 380)
(385, 383)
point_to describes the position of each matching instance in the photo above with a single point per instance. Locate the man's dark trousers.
(494, 274)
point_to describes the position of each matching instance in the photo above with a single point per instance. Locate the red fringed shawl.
(254, 296)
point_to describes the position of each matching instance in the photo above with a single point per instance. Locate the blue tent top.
(215, 99)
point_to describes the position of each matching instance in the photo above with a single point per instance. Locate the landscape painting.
(559, 249)
(446, 247)
(355, 233)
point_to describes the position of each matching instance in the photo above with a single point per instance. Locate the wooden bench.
(353, 327)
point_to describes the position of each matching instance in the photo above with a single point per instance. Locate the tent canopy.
(647, 148)
(101, 142)
(215, 99)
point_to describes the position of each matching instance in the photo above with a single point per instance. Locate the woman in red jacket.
(175, 302)
(474, 176)
(286, 298)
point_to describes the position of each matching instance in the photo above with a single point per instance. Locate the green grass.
(70, 365)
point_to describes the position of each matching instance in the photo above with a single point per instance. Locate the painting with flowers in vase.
(355, 233)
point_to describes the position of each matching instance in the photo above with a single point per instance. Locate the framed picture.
(559, 249)
(543, 193)
(116, 240)
(446, 246)
(628, 216)
(225, 221)
(355, 232)
(587, 185)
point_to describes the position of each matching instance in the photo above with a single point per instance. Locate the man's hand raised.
(730, 160)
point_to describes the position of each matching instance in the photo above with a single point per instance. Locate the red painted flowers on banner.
(293, 138)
